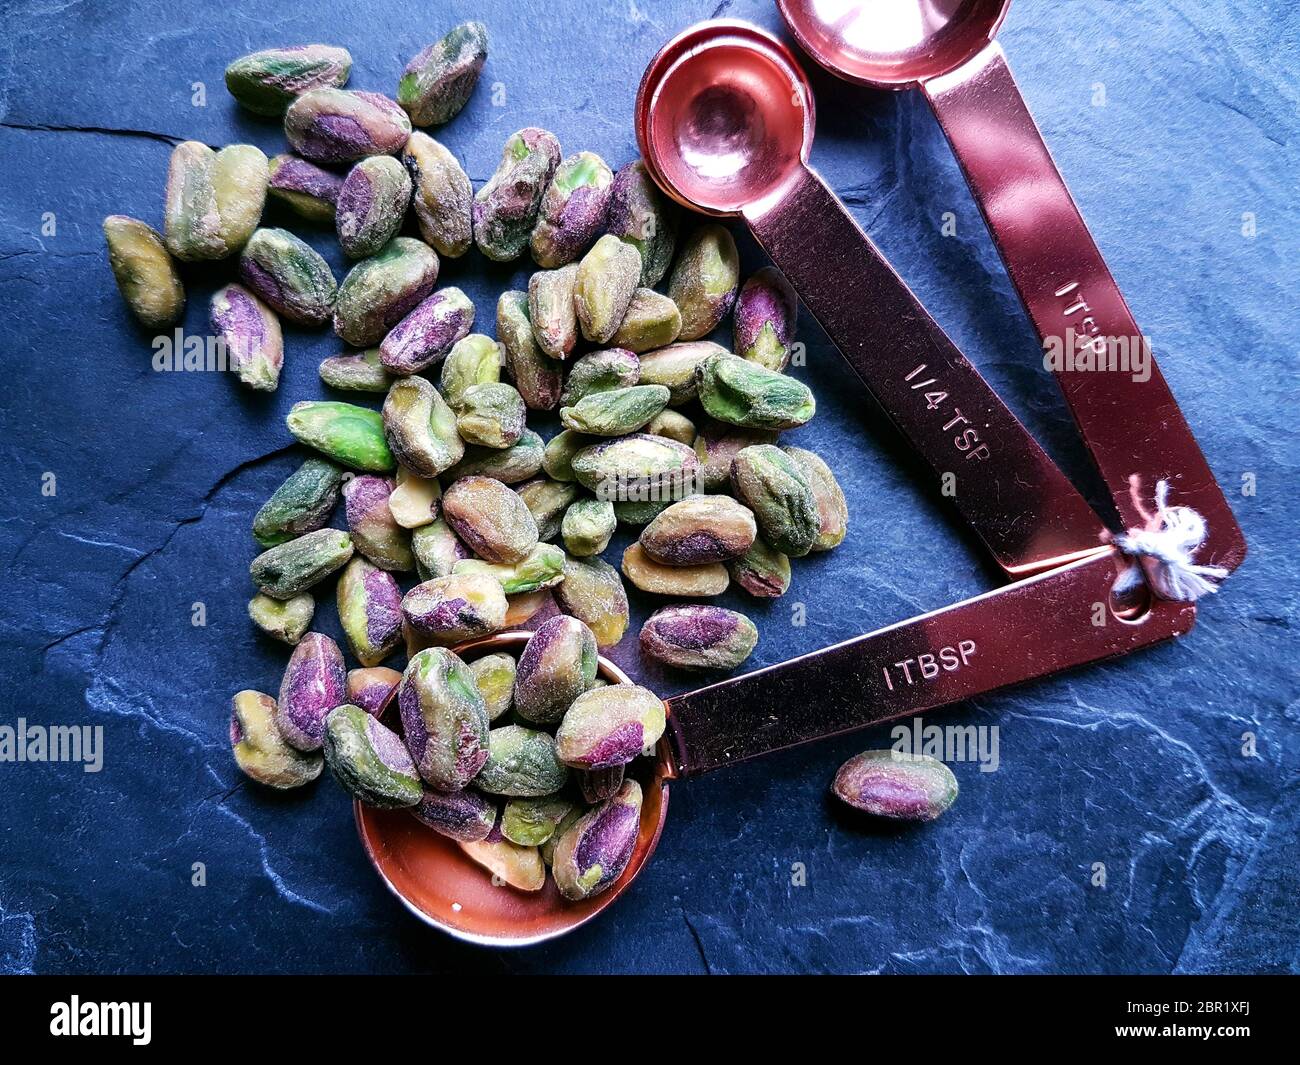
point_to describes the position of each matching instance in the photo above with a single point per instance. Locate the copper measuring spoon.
(963, 650)
(724, 118)
(947, 49)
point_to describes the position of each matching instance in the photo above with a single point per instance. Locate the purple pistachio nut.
(597, 785)
(294, 566)
(437, 550)
(382, 290)
(284, 620)
(290, 275)
(652, 321)
(593, 852)
(369, 760)
(521, 763)
(601, 371)
(558, 664)
(490, 518)
(370, 687)
(766, 311)
(260, 750)
(495, 677)
(641, 215)
(370, 611)
(267, 82)
(636, 468)
(550, 309)
(438, 82)
(592, 591)
(674, 367)
(450, 610)
(302, 504)
(510, 465)
(421, 428)
(335, 126)
(763, 571)
(505, 209)
(547, 501)
(538, 377)
(372, 205)
(602, 292)
(609, 726)
(832, 507)
(774, 486)
(896, 786)
(698, 581)
(491, 415)
(700, 529)
(425, 336)
(213, 199)
(443, 718)
(250, 333)
(375, 533)
(144, 271)
(519, 867)
(466, 816)
(443, 196)
(307, 189)
(314, 683)
(698, 637)
(717, 446)
(705, 279)
(573, 210)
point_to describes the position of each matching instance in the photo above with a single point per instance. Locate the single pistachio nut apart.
(437, 550)
(521, 763)
(609, 726)
(505, 209)
(370, 611)
(473, 360)
(519, 867)
(773, 485)
(538, 377)
(381, 291)
(314, 683)
(291, 568)
(641, 215)
(334, 126)
(310, 191)
(592, 591)
(698, 637)
(466, 816)
(551, 310)
(302, 504)
(416, 500)
(369, 760)
(495, 677)
(214, 200)
(425, 336)
(438, 82)
(531, 822)
(707, 579)
(698, 530)
(542, 567)
(511, 465)
(290, 275)
(766, 311)
(249, 332)
(282, 619)
(595, 851)
(675, 368)
(898, 787)
(705, 279)
(573, 210)
(452, 609)
(763, 571)
(601, 371)
(442, 195)
(420, 428)
(616, 412)
(144, 271)
(261, 751)
(372, 205)
(743, 393)
(588, 526)
(602, 292)
(652, 321)
(356, 373)
(546, 501)
(557, 665)
(832, 507)
(716, 448)
(443, 718)
(491, 415)
(351, 435)
(490, 518)
(267, 82)
(674, 426)
(370, 687)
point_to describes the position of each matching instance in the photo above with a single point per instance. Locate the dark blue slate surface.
(1136, 764)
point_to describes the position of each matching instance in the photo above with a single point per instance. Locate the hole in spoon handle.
(1037, 626)
(1000, 480)
(1127, 415)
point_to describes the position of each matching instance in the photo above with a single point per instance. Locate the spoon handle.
(1128, 417)
(1000, 480)
(1037, 626)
